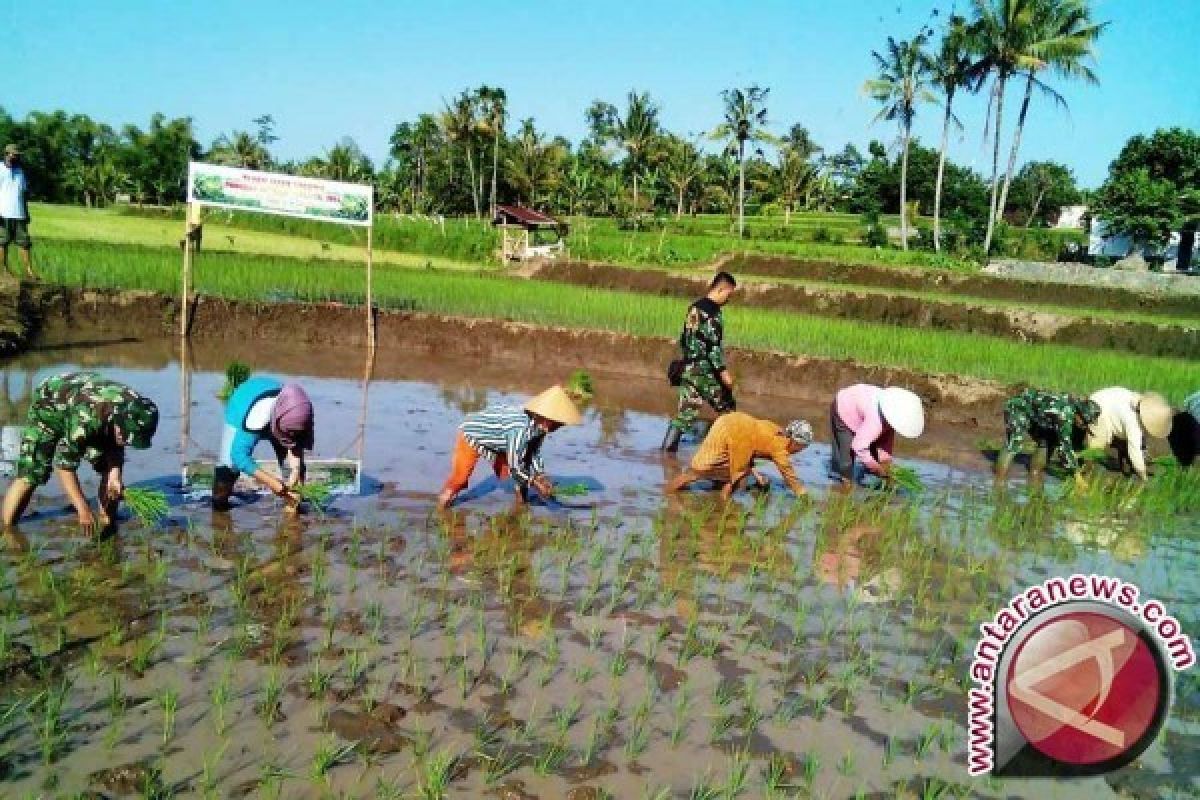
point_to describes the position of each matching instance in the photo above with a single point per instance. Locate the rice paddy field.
(615, 644)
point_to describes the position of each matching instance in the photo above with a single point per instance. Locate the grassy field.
(496, 296)
(451, 242)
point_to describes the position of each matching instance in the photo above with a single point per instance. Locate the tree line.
(467, 156)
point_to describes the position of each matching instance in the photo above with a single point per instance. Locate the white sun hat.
(1156, 415)
(903, 411)
(555, 404)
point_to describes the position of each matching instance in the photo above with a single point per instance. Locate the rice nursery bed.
(489, 295)
(637, 648)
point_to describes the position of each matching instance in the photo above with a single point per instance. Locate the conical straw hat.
(1156, 415)
(902, 410)
(555, 404)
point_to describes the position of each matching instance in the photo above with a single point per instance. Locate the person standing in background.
(14, 209)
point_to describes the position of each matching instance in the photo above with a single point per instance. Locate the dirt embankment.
(484, 341)
(977, 285)
(1020, 324)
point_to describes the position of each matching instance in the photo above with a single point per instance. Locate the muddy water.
(630, 646)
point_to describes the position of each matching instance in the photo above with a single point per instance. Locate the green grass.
(496, 296)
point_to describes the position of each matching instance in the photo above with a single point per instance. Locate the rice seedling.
(317, 494)
(270, 705)
(50, 724)
(220, 697)
(168, 702)
(149, 506)
(550, 758)
(738, 779)
(328, 755)
(208, 769)
(435, 774)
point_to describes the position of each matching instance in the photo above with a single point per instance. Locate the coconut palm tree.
(745, 121)
(681, 168)
(1061, 39)
(534, 165)
(636, 131)
(494, 102)
(793, 179)
(239, 149)
(902, 83)
(459, 122)
(951, 69)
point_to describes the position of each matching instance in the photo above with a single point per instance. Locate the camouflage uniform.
(704, 361)
(72, 418)
(1048, 418)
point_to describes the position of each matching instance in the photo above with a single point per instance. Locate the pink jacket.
(858, 406)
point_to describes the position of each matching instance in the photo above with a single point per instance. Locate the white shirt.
(12, 192)
(1118, 420)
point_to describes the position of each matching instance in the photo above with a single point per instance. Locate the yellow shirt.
(736, 440)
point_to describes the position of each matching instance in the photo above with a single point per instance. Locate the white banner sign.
(277, 193)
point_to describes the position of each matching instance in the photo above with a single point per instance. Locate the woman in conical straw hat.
(865, 420)
(511, 439)
(1125, 416)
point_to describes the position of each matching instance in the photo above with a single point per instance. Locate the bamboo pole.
(185, 290)
(370, 301)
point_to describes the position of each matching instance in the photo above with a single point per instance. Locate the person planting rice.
(732, 445)
(1124, 416)
(258, 409)
(511, 439)
(704, 377)
(80, 416)
(1050, 419)
(865, 420)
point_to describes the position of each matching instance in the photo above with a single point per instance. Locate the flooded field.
(619, 645)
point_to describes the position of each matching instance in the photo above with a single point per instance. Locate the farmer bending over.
(264, 408)
(705, 378)
(733, 443)
(1050, 419)
(511, 439)
(73, 417)
(1124, 416)
(865, 420)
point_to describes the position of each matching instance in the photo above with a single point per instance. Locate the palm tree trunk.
(1016, 144)
(904, 193)
(636, 206)
(941, 170)
(679, 206)
(471, 180)
(741, 190)
(495, 167)
(1033, 211)
(991, 226)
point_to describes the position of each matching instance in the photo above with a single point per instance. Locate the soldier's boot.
(222, 488)
(670, 442)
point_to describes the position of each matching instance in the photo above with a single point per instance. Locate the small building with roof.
(527, 234)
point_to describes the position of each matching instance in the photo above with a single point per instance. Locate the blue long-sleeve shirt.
(512, 433)
(239, 452)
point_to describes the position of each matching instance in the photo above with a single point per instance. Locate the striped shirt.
(510, 432)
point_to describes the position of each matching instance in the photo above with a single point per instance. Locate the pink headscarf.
(292, 421)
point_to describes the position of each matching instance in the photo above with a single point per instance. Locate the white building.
(1179, 254)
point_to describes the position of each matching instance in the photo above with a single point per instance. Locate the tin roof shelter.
(526, 234)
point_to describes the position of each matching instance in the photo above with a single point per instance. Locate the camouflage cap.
(138, 420)
(1087, 410)
(800, 432)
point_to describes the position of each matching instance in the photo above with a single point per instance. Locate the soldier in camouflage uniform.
(705, 378)
(1051, 420)
(74, 417)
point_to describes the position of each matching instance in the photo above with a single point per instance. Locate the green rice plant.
(580, 386)
(328, 755)
(435, 774)
(499, 766)
(236, 373)
(208, 770)
(571, 490)
(638, 739)
(168, 703)
(550, 758)
(270, 706)
(148, 505)
(220, 696)
(846, 766)
(316, 493)
(50, 724)
(907, 480)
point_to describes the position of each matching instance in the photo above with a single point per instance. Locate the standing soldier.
(14, 209)
(704, 378)
(1050, 419)
(73, 417)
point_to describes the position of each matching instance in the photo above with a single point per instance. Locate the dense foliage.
(1153, 186)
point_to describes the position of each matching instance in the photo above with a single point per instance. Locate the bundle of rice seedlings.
(236, 373)
(148, 505)
(907, 479)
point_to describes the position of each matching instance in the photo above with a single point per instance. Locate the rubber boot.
(670, 442)
(222, 488)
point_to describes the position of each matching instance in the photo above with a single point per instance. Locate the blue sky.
(355, 68)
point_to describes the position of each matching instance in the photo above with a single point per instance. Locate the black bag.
(675, 371)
